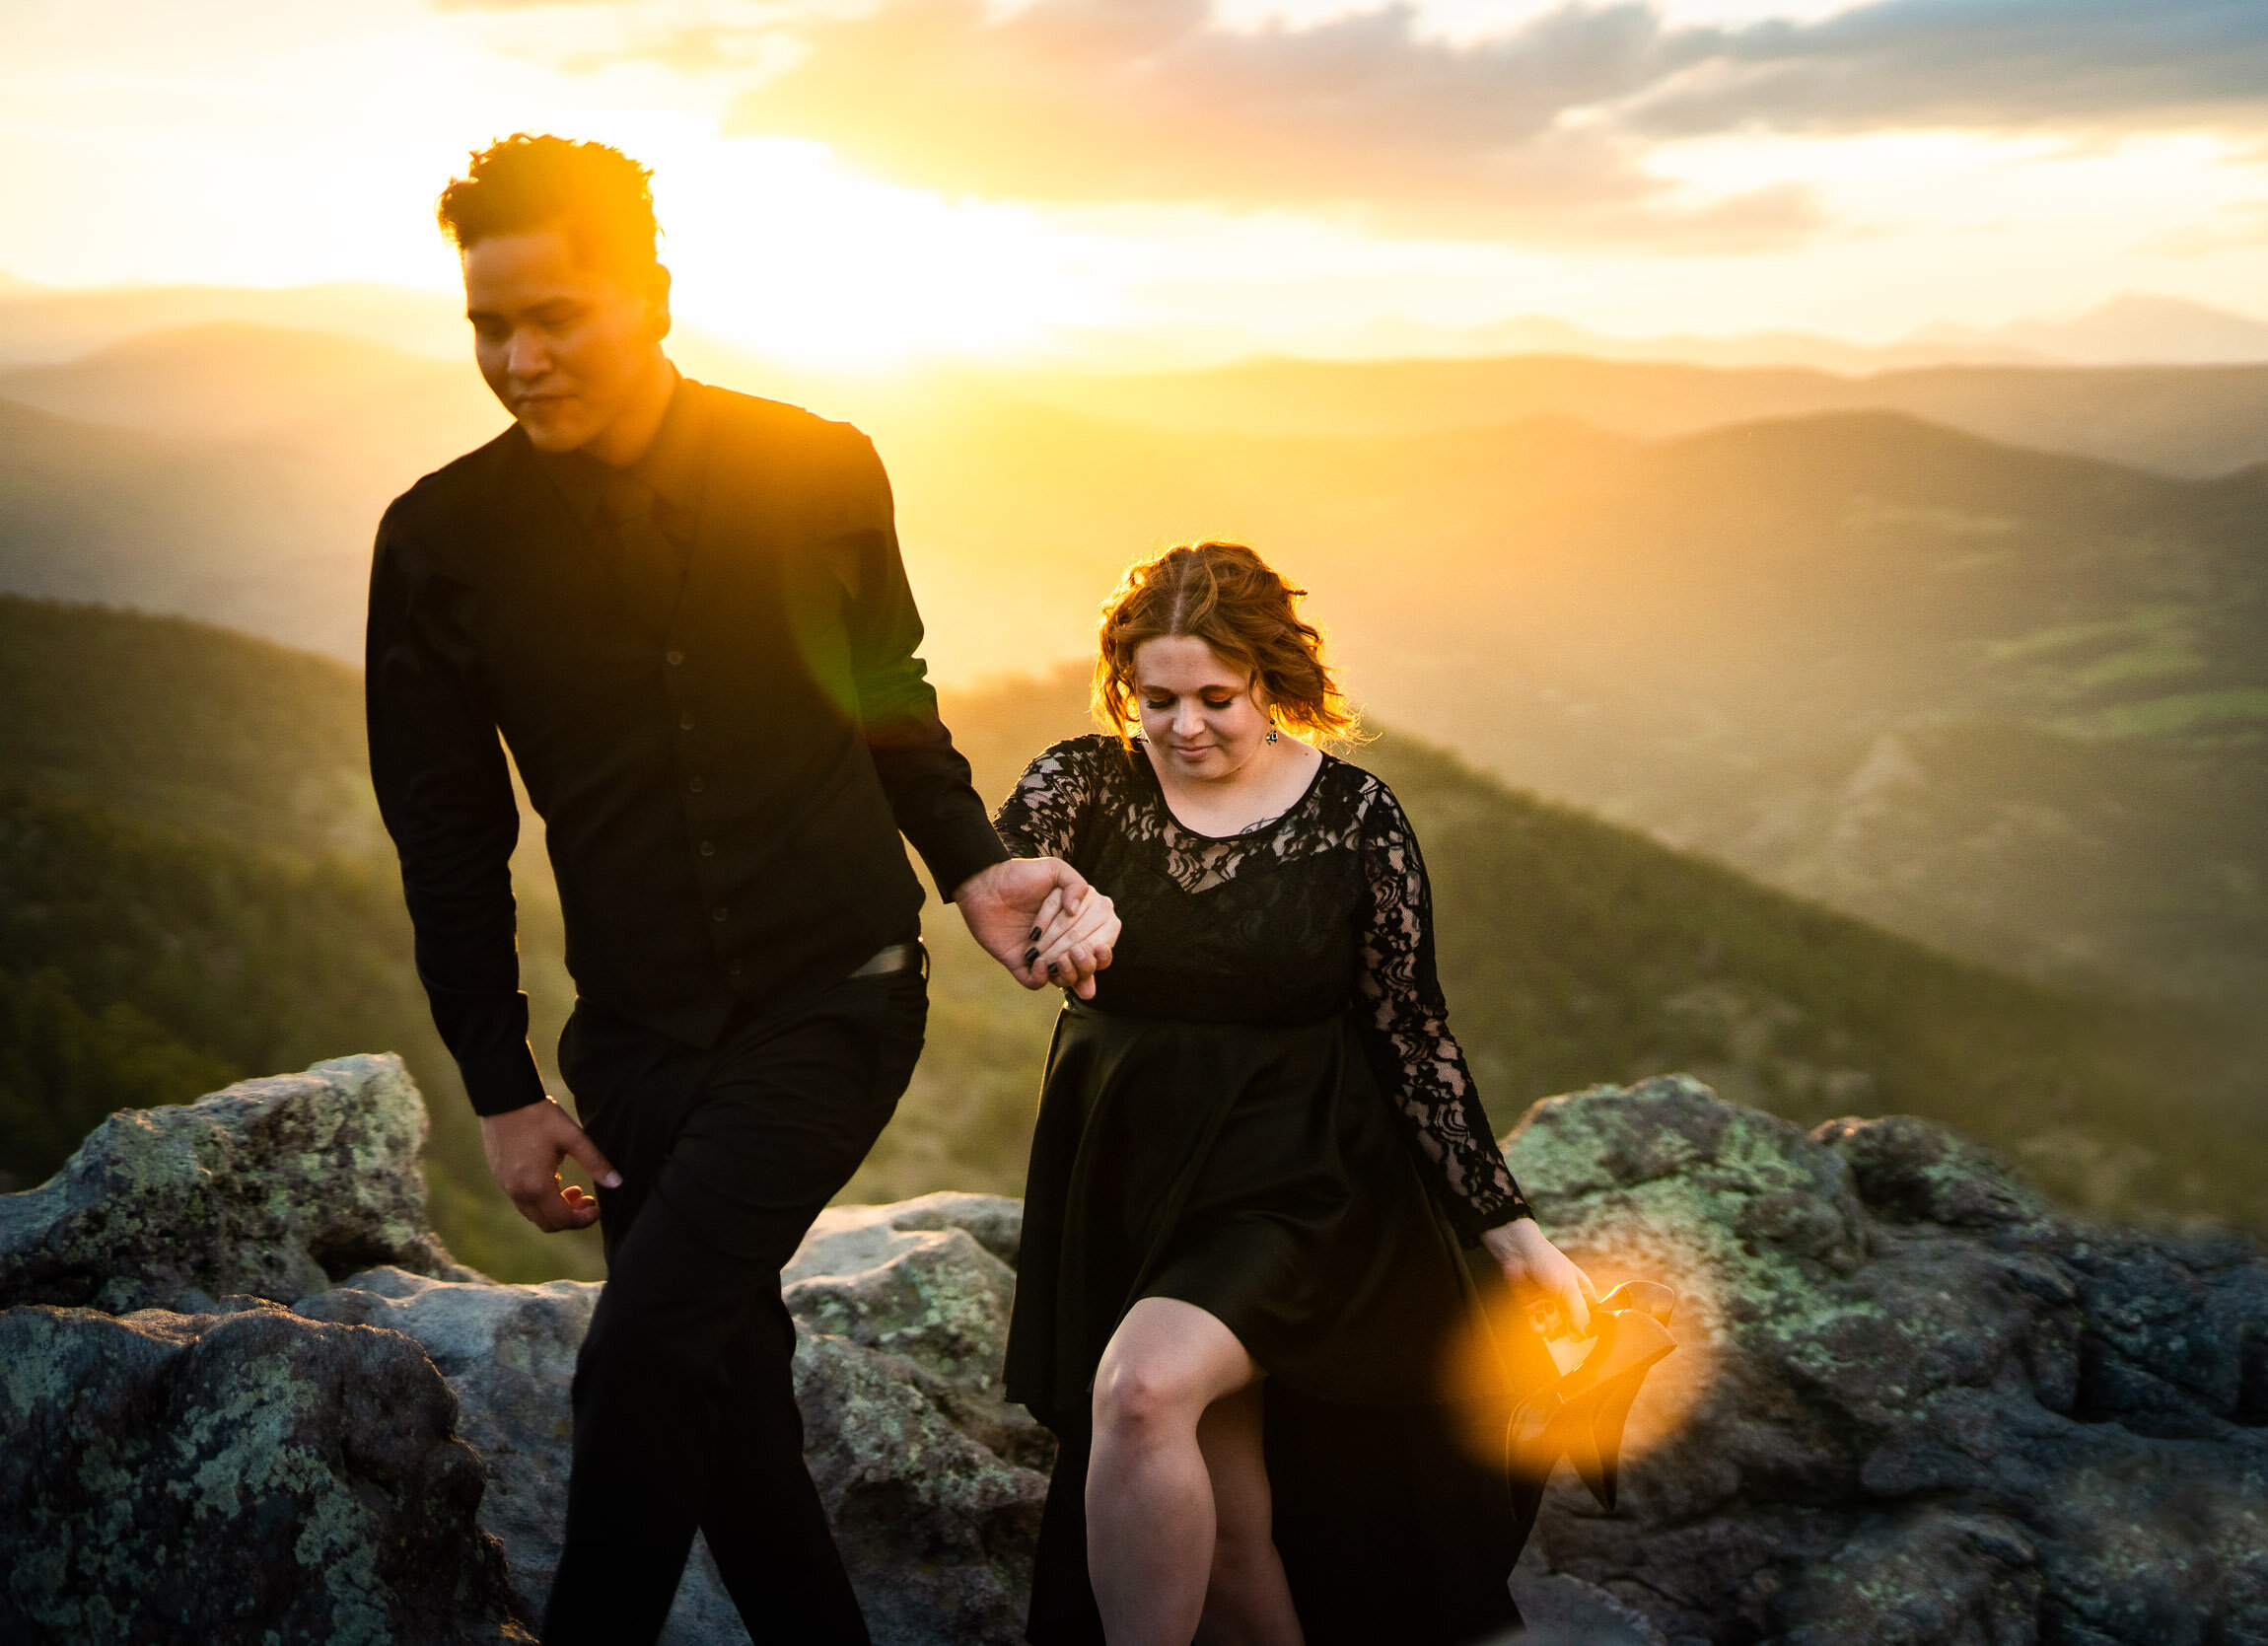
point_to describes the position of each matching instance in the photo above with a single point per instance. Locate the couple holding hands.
(1264, 1203)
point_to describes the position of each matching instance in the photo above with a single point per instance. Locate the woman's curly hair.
(1227, 596)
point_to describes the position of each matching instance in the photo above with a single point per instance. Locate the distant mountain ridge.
(2131, 329)
(52, 323)
(46, 324)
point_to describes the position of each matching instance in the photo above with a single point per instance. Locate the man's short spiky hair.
(594, 194)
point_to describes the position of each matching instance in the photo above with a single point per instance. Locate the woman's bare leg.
(1150, 1515)
(1247, 1602)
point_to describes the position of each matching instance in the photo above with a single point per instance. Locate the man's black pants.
(684, 1402)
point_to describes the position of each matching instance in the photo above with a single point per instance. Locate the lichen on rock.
(269, 1189)
(926, 1472)
(1913, 1403)
(235, 1477)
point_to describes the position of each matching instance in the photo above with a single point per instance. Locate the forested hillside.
(192, 886)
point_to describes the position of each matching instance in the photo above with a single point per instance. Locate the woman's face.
(1204, 717)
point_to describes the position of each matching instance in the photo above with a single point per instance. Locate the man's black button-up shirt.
(705, 669)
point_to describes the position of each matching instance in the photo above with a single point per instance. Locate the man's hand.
(525, 1147)
(1540, 1275)
(1041, 919)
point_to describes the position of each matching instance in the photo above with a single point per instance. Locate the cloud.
(1539, 134)
(1150, 101)
(1978, 64)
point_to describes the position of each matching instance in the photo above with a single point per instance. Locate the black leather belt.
(888, 961)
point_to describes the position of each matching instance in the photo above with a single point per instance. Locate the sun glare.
(777, 246)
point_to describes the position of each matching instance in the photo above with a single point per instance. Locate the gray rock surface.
(269, 1189)
(509, 1354)
(241, 1477)
(933, 1483)
(1913, 1403)
(928, 1475)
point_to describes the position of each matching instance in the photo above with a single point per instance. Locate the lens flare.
(1518, 1357)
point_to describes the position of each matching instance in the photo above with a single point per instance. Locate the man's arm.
(445, 794)
(445, 797)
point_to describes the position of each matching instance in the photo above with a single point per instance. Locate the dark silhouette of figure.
(683, 612)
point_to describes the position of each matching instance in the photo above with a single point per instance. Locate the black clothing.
(1323, 912)
(684, 1402)
(1262, 1113)
(708, 682)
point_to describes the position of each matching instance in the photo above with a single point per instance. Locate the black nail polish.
(1030, 955)
(1034, 937)
(1050, 968)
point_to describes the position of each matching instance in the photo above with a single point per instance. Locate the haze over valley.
(1973, 652)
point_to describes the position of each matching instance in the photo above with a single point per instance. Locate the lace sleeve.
(1406, 1028)
(1040, 816)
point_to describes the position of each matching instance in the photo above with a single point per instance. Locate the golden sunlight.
(777, 247)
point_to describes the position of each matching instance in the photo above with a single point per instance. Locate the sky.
(843, 181)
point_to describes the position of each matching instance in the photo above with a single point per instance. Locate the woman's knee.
(1139, 1397)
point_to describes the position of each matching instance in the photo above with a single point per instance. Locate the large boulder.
(928, 1475)
(270, 1188)
(933, 1483)
(1913, 1403)
(508, 1352)
(243, 1478)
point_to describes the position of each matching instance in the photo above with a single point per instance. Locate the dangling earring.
(1271, 737)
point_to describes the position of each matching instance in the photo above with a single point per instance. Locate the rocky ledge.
(248, 1395)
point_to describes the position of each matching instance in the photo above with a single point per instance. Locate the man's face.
(565, 346)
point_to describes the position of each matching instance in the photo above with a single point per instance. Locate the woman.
(1258, 1165)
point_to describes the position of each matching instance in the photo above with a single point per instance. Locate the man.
(684, 612)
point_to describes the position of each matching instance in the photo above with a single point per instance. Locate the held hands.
(525, 1147)
(1541, 1275)
(1038, 917)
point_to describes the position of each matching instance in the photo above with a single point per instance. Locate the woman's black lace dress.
(1263, 1112)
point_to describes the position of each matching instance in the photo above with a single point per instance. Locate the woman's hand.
(1039, 918)
(1540, 1273)
(1078, 940)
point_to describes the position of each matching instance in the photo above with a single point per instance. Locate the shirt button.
(674, 657)
(718, 913)
(685, 723)
(734, 970)
(708, 849)
(696, 784)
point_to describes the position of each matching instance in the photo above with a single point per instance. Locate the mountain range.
(2003, 697)
(50, 324)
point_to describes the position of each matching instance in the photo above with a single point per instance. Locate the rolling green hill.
(191, 888)
(194, 887)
